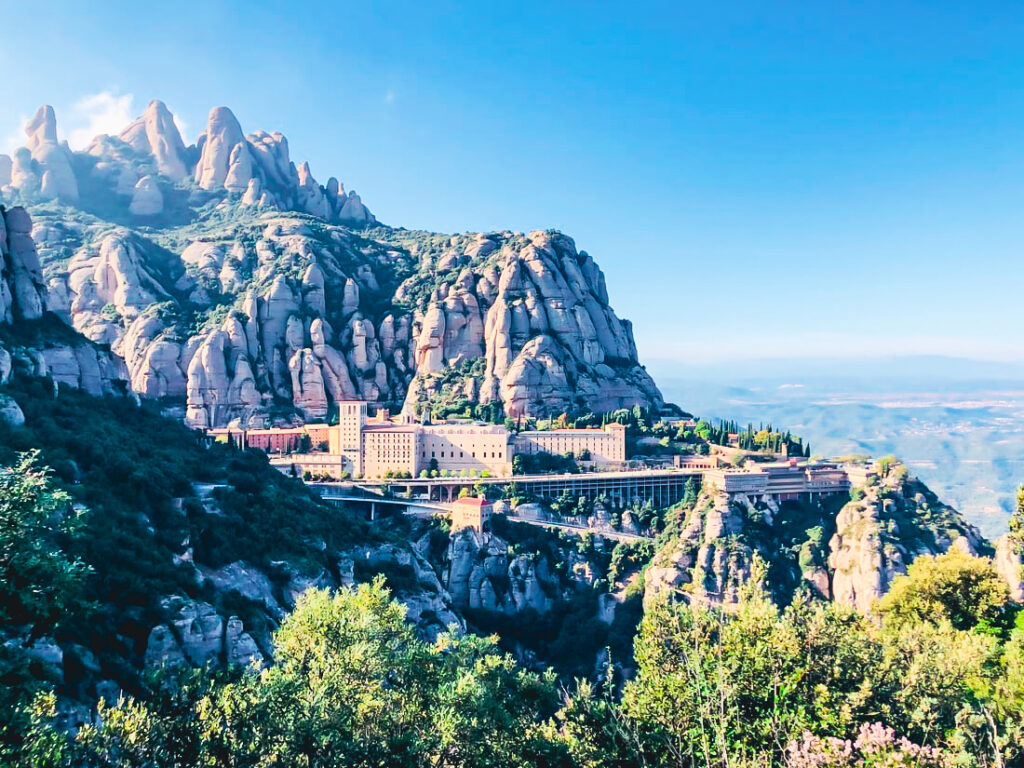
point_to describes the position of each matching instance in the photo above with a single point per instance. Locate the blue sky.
(757, 179)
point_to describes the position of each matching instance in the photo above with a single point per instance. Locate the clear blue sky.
(755, 178)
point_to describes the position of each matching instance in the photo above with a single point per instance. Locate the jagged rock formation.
(708, 561)
(236, 304)
(135, 169)
(156, 134)
(43, 165)
(485, 576)
(537, 311)
(848, 551)
(879, 535)
(22, 292)
(196, 633)
(40, 347)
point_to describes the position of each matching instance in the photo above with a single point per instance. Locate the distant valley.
(958, 424)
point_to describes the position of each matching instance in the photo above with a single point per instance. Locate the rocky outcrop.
(258, 167)
(430, 605)
(22, 290)
(135, 169)
(235, 307)
(1009, 562)
(484, 575)
(537, 311)
(196, 635)
(50, 172)
(844, 550)
(296, 322)
(52, 351)
(878, 535)
(706, 562)
(155, 134)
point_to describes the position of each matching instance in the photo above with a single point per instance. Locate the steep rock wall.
(845, 550)
(33, 341)
(218, 275)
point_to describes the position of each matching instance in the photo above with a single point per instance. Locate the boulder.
(10, 412)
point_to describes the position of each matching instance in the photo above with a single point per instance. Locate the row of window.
(462, 455)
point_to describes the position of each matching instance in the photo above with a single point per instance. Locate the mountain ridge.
(234, 285)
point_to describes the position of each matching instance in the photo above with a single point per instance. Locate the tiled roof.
(473, 501)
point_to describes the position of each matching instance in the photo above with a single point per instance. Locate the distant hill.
(958, 424)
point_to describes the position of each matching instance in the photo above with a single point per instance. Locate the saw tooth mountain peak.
(226, 280)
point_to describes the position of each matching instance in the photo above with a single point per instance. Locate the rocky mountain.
(552, 598)
(32, 340)
(226, 280)
(845, 549)
(193, 553)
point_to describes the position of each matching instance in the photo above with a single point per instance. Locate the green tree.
(39, 582)
(40, 587)
(1017, 522)
(953, 587)
(352, 685)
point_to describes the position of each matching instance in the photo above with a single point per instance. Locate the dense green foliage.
(353, 685)
(153, 490)
(739, 689)
(936, 678)
(765, 438)
(811, 685)
(40, 585)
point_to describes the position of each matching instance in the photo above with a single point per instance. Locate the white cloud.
(103, 112)
(15, 137)
(182, 127)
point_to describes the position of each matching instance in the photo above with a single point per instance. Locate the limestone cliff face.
(708, 561)
(879, 535)
(484, 575)
(1009, 561)
(31, 341)
(226, 280)
(196, 633)
(844, 550)
(536, 310)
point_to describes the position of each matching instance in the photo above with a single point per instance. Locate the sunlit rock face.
(25, 302)
(847, 550)
(224, 276)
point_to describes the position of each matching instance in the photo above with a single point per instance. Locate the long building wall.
(470, 447)
(605, 446)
